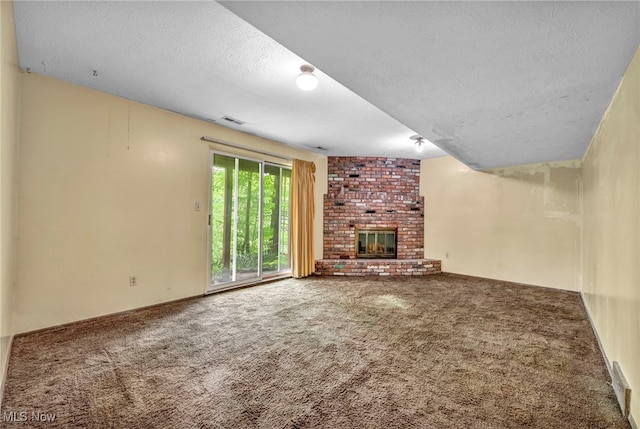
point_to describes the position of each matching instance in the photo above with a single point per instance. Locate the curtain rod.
(238, 146)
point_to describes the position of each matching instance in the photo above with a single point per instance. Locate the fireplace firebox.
(376, 243)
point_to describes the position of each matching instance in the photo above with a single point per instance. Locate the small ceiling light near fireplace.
(307, 81)
(419, 141)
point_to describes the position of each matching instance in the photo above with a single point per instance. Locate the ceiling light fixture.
(419, 141)
(307, 81)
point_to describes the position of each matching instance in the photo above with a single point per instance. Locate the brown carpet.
(431, 352)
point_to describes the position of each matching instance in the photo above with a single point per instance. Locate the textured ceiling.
(199, 59)
(493, 83)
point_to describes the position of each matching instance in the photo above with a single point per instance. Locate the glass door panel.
(223, 225)
(285, 208)
(248, 220)
(235, 215)
(275, 221)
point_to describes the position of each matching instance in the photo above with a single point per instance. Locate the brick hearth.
(377, 267)
(367, 192)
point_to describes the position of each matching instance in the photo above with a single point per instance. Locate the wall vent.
(622, 389)
(234, 120)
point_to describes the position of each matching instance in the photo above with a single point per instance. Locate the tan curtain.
(302, 210)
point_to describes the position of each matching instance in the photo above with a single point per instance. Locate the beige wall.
(520, 224)
(612, 230)
(9, 77)
(107, 189)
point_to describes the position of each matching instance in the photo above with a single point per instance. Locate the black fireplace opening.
(376, 243)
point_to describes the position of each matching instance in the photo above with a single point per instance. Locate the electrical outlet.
(133, 281)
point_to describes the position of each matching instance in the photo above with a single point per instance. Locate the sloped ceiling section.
(493, 83)
(199, 59)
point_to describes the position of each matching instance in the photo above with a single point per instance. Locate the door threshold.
(262, 281)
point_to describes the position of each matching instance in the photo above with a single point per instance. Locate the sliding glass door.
(249, 220)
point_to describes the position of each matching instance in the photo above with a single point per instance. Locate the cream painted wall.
(519, 224)
(107, 189)
(9, 77)
(611, 232)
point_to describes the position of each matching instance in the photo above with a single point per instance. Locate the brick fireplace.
(369, 195)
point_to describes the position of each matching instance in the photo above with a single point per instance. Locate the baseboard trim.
(595, 332)
(118, 313)
(470, 277)
(5, 370)
(103, 316)
(607, 362)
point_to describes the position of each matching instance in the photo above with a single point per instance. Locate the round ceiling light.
(307, 81)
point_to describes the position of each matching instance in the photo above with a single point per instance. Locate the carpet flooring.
(432, 352)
